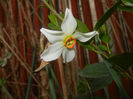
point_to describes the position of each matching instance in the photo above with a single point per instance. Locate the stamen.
(70, 42)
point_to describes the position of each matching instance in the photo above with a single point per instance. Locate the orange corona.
(70, 42)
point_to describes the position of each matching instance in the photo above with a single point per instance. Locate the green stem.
(51, 8)
(99, 51)
(30, 79)
(108, 49)
(51, 82)
(56, 82)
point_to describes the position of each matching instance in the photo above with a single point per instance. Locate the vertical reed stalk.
(30, 79)
(63, 82)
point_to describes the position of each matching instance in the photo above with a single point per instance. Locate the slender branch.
(6, 92)
(19, 59)
(99, 51)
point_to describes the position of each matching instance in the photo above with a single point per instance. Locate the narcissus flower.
(62, 42)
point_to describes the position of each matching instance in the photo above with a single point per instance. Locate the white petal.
(69, 23)
(83, 37)
(68, 55)
(53, 52)
(52, 36)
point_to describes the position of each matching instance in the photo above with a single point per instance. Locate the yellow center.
(69, 42)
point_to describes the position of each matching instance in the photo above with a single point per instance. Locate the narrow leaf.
(128, 2)
(53, 19)
(116, 78)
(103, 47)
(106, 39)
(107, 15)
(126, 8)
(86, 45)
(51, 82)
(53, 27)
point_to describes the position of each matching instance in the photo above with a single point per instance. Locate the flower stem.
(52, 9)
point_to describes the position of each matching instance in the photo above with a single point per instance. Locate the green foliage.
(54, 23)
(51, 82)
(82, 86)
(53, 19)
(81, 27)
(86, 45)
(107, 15)
(103, 47)
(123, 60)
(96, 70)
(100, 83)
(116, 78)
(53, 27)
(106, 39)
(126, 8)
(128, 2)
(103, 29)
(98, 75)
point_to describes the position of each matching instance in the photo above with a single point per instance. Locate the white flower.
(62, 42)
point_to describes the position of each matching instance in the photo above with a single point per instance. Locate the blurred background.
(20, 23)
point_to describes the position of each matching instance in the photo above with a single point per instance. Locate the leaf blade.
(116, 78)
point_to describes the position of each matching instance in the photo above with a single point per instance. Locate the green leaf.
(103, 28)
(128, 2)
(81, 27)
(86, 45)
(53, 27)
(123, 60)
(100, 83)
(53, 19)
(107, 15)
(106, 39)
(116, 78)
(126, 8)
(96, 70)
(103, 47)
(51, 82)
